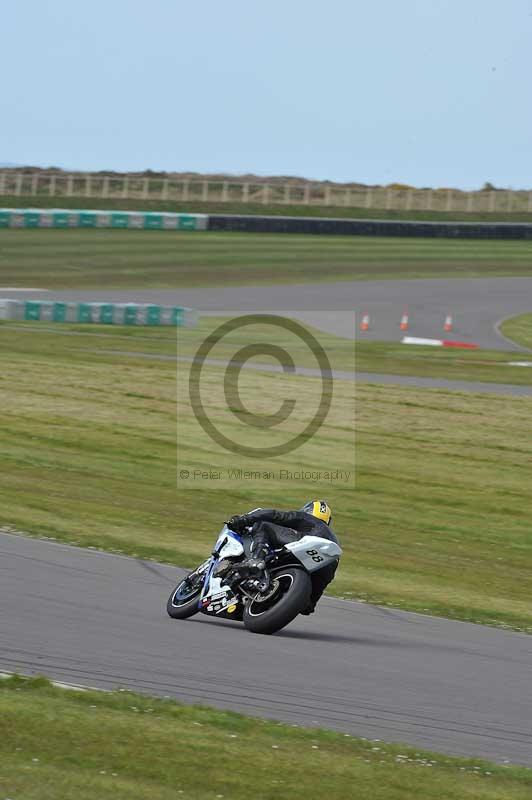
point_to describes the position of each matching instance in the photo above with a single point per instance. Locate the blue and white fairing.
(233, 545)
(216, 597)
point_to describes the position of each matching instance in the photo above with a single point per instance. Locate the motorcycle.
(222, 587)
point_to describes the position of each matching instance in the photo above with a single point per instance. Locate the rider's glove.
(238, 523)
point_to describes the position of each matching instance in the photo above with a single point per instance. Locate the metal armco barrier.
(99, 313)
(68, 218)
(370, 227)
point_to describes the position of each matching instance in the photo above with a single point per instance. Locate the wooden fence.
(90, 185)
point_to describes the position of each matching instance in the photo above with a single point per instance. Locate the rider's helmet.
(319, 509)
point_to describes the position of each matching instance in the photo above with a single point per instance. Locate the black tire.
(183, 604)
(268, 618)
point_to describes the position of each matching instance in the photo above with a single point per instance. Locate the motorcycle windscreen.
(228, 544)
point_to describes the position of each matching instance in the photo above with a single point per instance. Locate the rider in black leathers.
(271, 528)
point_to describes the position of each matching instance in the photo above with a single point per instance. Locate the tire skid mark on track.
(326, 717)
(205, 687)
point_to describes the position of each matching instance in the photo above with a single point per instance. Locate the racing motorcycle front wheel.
(285, 598)
(183, 602)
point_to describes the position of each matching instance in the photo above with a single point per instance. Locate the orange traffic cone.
(448, 324)
(404, 321)
(364, 324)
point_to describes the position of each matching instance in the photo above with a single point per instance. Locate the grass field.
(291, 210)
(127, 746)
(489, 366)
(56, 259)
(519, 329)
(438, 522)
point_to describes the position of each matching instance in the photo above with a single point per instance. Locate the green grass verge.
(124, 746)
(290, 210)
(83, 259)
(439, 521)
(519, 329)
(393, 358)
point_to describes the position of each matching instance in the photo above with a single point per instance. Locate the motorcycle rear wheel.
(278, 611)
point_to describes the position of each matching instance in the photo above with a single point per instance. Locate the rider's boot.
(259, 553)
(257, 563)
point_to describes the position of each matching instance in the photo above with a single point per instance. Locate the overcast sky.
(426, 92)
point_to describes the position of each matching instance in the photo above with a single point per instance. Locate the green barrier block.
(153, 315)
(187, 223)
(130, 315)
(87, 219)
(5, 216)
(32, 219)
(107, 313)
(84, 312)
(61, 219)
(177, 316)
(153, 221)
(32, 310)
(119, 220)
(59, 312)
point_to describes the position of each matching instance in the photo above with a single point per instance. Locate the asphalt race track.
(476, 304)
(98, 619)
